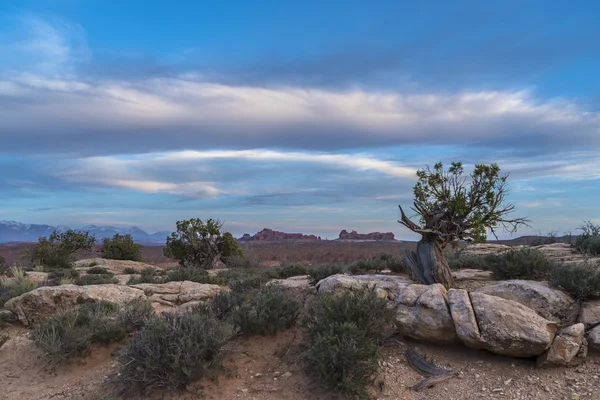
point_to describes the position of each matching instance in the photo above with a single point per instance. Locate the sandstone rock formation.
(552, 304)
(594, 339)
(464, 319)
(387, 236)
(177, 294)
(39, 305)
(590, 314)
(269, 235)
(386, 286)
(564, 348)
(116, 267)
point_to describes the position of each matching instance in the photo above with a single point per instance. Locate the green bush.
(288, 270)
(323, 271)
(589, 240)
(526, 263)
(241, 262)
(266, 312)
(98, 270)
(135, 314)
(470, 262)
(121, 247)
(147, 275)
(224, 303)
(59, 250)
(129, 271)
(15, 287)
(344, 332)
(102, 279)
(173, 350)
(377, 264)
(62, 275)
(200, 244)
(581, 281)
(180, 274)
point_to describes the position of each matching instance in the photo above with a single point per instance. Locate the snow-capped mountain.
(11, 231)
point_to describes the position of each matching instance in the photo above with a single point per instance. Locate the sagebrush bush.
(100, 279)
(58, 275)
(589, 240)
(267, 311)
(98, 270)
(121, 247)
(224, 303)
(242, 262)
(468, 261)
(173, 350)
(582, 281)
(323, 271)
(147, 275)
(526, 263)
(285, 271)
(377, 264)
(18, 285)
(135, 314)
(344, 332)
(129, 271)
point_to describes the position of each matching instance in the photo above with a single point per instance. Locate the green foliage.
(173, 350)
(266, 312)
(15, 287)
(135, 314)
(129, 271)
(241, 262)
(323, 271)
(180, 274)
(97, 270)
(455, 207)
(59, 275)
(147, 275)
(224, 303)
(121, 247)
(470, 262)
(200, 244)
(59, 250)
(285, 271)
(589, 241)
(582, 281)
(526, 263)
(344, 332)
(98, 279)
(377, 264)
(70, 333)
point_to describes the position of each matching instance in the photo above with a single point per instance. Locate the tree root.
(434, 374)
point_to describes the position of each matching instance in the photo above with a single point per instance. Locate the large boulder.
(594, 339)
(386, 286)
(39, 305)
(422, 313)
(116, 267)
(298, 286)
(464, 319)
(510, 328)
(564, 348)
(177, 293)
(552, 304)
(590, 314)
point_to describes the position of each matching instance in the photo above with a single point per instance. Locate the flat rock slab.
(116, 267)
(590, 314)
(594, 339)
(178, 293)
(386, 286)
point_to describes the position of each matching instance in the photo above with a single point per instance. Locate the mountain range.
(11, 231)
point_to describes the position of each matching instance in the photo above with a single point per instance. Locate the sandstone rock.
(594, 339)
(564, 348)
(276, 236)
(387, 236)
(386, 286)
(464, 319)
(295, 285)
(428, 318)
(116, 267)
(510, 328)
(482, 249)
(590, 314)
(39, 305)
(552, 304)
(178, 293)
(472, 275)
(37, 277)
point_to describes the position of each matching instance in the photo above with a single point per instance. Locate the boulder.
(178, 293)
(552, 304)
(564, 348)
(590, 314)
(425, 316)
(116, 267)
(510, 328)
(464, 319)
(386, 286)
(594, 339)
(39, 305)
(295, 285)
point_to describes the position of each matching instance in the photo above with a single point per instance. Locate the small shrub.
(102, 279)
(20, 284)
(288, 270)
(193, 274)
(135, 314)
(470, 262)
(121, 247)
(242, 262)
(224, 303)
(526, 263)
(266, 312)
(174, 350)
(344, 331)
(129, 271)
(148, 275)
(93, 264)
(66, 273)
(323, 271)
(98, 270)
(59, 250)
(589, 240)
(582, 281)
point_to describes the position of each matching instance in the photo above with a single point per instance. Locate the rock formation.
(387, 236)
(269, 235)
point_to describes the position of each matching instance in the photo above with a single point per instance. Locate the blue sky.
(297, 116)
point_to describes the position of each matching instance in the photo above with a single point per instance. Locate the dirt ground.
(270, 368)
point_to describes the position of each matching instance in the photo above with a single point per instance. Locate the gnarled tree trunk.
(428, 263)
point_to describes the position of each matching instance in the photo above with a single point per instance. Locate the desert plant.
(201, 244)
(468, 261)
(286, 270)
(18, 285)
(147, 275)
(129, 271)
(59, 250)
(589, 240)
(97, 270)
(453, 208)
(61, 275)
(224, 303)
(581, 280)
(174, 350)
(98, 279)
(241, 262)
(135, 314)
(323, 271)
(121, 247)
(266, 312)
(344, 332)
(525, 263)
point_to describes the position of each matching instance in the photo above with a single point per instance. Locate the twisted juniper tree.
(454, 207)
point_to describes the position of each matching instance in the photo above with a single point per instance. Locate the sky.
(303, 116)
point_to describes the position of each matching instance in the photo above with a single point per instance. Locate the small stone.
(507, 382)
(286, 375)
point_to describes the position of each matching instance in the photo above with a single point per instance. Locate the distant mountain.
(376, 236)
(11, 231)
